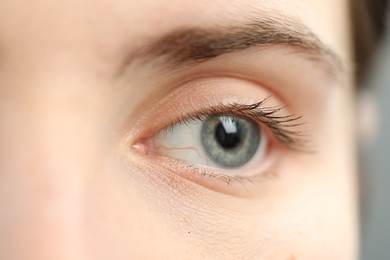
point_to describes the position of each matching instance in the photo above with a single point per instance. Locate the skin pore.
(88, 86)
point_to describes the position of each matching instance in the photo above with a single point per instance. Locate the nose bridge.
(49, 149)
(47, 122)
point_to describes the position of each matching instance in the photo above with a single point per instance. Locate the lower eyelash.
(194, 173)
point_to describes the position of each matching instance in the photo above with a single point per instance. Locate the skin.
(78, 179)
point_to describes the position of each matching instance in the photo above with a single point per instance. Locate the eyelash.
(281, 126)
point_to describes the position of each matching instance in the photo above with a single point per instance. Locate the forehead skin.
(64, 192)
(104, 28)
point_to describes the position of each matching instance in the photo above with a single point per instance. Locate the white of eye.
(220, 142)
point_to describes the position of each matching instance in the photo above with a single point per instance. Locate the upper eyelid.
(151, 121)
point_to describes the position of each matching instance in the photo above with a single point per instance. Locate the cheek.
(120, 223)
(309, 217)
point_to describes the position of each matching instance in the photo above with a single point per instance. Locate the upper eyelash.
(280, 126)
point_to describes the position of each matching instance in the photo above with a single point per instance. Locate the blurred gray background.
(376, 209)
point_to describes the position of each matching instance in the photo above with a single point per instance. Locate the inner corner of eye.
(143, 146)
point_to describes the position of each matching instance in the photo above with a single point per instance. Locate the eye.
(213, 137)
(217, 141)
(233, 141)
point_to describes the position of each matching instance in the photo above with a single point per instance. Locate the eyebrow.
(191, 46)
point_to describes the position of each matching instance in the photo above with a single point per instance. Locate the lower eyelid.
(244, 187)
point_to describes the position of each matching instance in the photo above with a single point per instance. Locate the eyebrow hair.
(190, 46)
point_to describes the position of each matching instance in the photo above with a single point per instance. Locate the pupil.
(227, 138)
